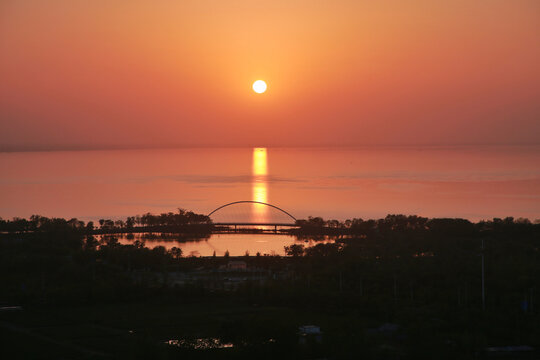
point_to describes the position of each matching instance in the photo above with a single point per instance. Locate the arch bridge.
(258, 214)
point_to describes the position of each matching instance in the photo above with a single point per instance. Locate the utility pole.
(483, 288)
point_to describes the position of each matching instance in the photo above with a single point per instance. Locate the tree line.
(411, 223)
(37, 223)
(310, 226)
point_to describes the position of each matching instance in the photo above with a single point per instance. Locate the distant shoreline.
(46, 148)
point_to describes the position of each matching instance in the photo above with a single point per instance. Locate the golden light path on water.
(259, 185)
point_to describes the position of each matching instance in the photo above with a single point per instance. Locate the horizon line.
(65, 148)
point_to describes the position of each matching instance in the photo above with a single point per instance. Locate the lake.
(469, 182)
(234, 244)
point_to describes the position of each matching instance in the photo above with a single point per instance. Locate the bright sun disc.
(259, 86)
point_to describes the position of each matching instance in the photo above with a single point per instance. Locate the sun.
(259, 86)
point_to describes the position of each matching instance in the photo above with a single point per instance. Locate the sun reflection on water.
(260, 186)
(259, 161)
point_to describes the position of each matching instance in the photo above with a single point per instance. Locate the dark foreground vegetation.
(403, 287)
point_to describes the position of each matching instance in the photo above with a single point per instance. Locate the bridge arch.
(252, 202)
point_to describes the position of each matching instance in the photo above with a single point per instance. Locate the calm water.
(235, 244)
(475, 183)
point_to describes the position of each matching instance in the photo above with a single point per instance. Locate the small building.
(237, 265)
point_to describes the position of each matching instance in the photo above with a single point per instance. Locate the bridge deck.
(254, 224)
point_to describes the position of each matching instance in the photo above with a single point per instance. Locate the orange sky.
(179, 73)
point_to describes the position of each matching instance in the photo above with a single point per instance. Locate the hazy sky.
(161, 73)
